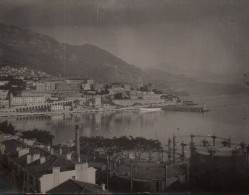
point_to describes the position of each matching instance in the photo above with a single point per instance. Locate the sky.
(190, 37)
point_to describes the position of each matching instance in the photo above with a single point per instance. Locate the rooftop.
(11, 145)
(77, 187)
(38, 170)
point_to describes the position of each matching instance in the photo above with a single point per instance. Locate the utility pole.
(191, 144)
(169, 150)
(77, 143)
(131, 176)
(174, 149)
(165, 176)
(247, 153)
(214, 137)
(192, 139)
(187, 174)
(108, 172)
(183, 151)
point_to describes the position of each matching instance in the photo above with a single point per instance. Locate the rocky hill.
(20, 47)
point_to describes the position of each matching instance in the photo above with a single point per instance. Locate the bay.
(228, 116)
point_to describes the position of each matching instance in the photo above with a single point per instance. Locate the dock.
(179, 108)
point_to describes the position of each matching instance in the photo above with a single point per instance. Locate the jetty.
(184, 108)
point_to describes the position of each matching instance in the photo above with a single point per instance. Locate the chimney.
(29, 159)
(30, 142)
(48, 148)
(42, 159)
(69, 156)
(52, 151)
(103, 186)
(60, 150)
(2, 148)
(35, 157)
(23, 151)
(77, 143)
(25, 141)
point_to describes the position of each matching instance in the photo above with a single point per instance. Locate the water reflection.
(161, 125)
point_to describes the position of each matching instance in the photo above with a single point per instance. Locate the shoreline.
(165, 107)
(49, 113)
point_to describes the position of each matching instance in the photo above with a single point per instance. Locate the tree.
(123, 143)
(7, 128)
(44, 137)
(152, 146)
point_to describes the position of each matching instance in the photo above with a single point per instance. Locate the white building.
(81, 173)
(4, 103)
(56, 107)
(3, 94)
(27, 100)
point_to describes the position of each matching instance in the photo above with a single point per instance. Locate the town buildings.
(37, 169)
(72, 186)
(26, 90)
(26, 100)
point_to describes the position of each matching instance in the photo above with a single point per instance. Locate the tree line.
(138, 145)
(42, 136)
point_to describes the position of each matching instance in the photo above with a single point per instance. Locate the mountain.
(20, 47)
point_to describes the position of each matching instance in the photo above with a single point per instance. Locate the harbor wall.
(129, 102)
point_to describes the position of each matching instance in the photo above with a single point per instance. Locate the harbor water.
(228, 116)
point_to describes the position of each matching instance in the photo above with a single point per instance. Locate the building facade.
(27, 100)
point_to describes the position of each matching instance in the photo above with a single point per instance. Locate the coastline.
(49, 113)
(166, 107)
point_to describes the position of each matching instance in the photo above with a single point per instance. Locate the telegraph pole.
(108, 172)
(214, 137)
(187, 175)
(174, 149)
(165, 175)
(192, 139)
(131, 176)
(169, 150)
(77, 143)
(183, 151)
(192, 145)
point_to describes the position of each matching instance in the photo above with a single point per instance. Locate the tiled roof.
(37, 169)
(22, 160)
(77, 187)
(11, 145)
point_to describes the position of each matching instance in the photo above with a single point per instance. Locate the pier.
(180, 108)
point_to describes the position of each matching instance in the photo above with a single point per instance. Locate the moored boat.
(149, 109)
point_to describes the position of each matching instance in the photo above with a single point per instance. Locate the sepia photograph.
(124, 97)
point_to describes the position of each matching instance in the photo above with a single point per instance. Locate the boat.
(149, 109)
(181, 108)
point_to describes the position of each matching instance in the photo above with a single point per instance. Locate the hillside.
(20, 47)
